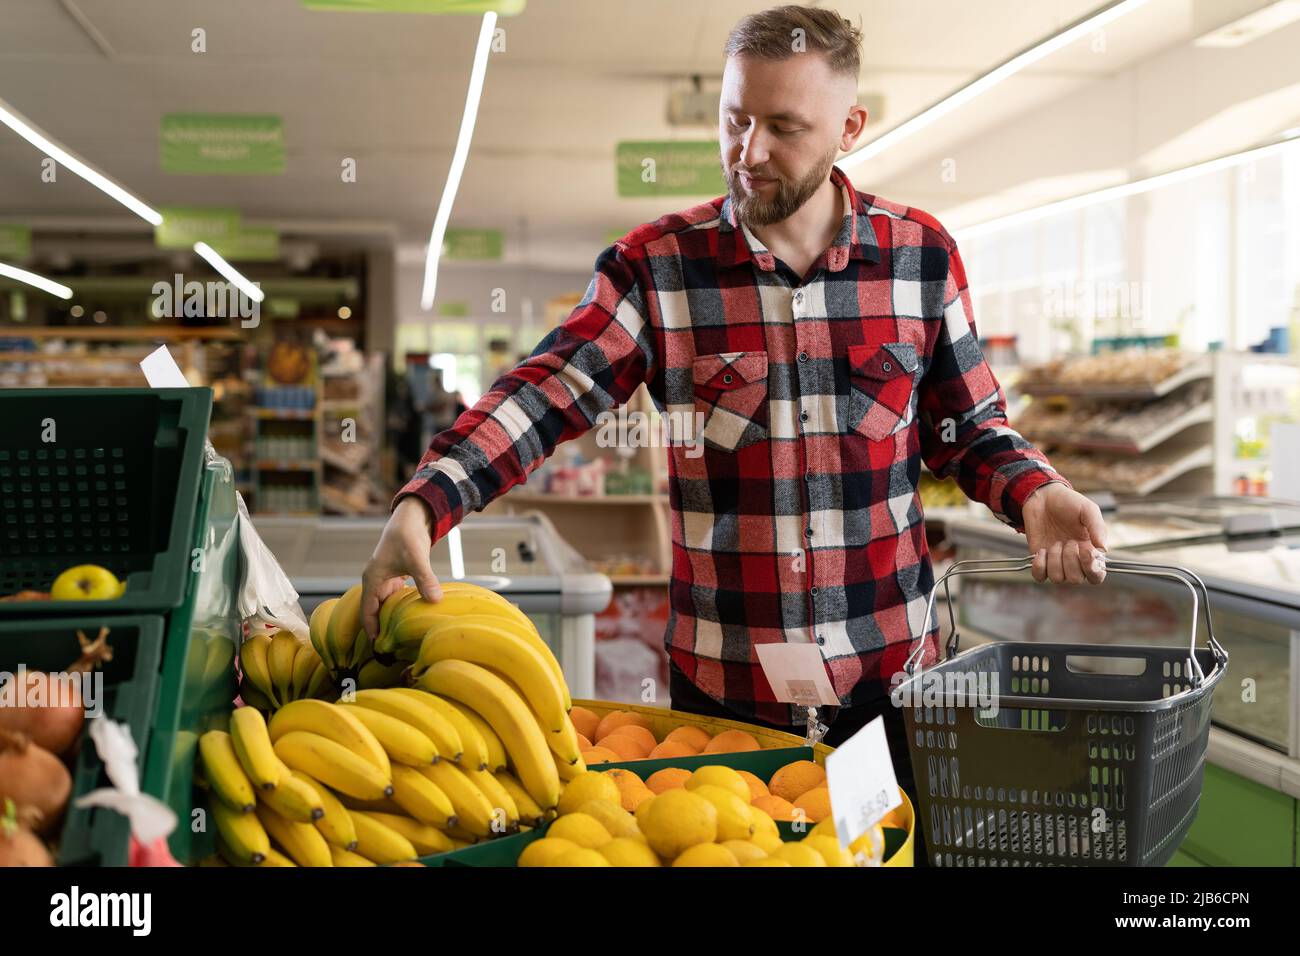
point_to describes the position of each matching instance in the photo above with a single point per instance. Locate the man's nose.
(754, 149)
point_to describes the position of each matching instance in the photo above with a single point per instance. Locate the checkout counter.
(1247, 551)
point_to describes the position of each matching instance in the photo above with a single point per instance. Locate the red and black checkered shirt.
(797, 517)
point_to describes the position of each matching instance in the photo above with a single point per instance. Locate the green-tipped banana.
(279, 659)
(374, 675)
(253, 662)
(319, 625)
(305, 665)
(344, 625)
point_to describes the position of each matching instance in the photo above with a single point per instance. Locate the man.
(826, 336)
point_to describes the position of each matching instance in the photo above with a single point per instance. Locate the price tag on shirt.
(861, 780)
(797, 673)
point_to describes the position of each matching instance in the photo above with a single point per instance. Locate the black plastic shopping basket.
(1029, 754)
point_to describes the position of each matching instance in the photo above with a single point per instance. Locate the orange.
(730, 742)
(617, 718)
(638, 733)
(694, 737)
(670, 778)
(896, 818)
(816, 804)
(795, 779)
(775, 807)
(600, 755)
(584, 743)
(671, 748)
(757, 788)
(584, 722)
(624, 778)
(625, 747)
(633, 797)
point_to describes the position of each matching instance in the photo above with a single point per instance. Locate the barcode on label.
(802, 692)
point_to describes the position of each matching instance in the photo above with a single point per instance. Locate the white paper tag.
(797, 673)
(862, 783)
(161, 371)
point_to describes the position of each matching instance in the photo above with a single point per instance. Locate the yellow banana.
(476, 752)
(224, 772)
(301, 841)
(333, 765)
(386, 805)
(321, 684)
(253, 663)
(242, 834)
(530, 814)
(565, 744)
(253, 697)
(478, 640)
(508, 714)
(379, 843)
(522, 627)
(275, 858)
(426, 839)
(319, 629)
(305, 665)
(375, 675)
(406, 628)
(279, 659)
(333, 721)
(473, 808)
(421, 798)
(395, 602)
(253, 747)
(567, 771)
(294, 800)
(497, 759)
(423, 718)
(345, 622)
(498, 795)
(461, 837)
(363, 650)
(335, 824)
(342, 857)
(403, 743)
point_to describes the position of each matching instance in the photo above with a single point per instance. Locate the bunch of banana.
(278, 668)
(405, 617)
(338, 635)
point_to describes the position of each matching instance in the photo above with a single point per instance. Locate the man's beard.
(754, 210)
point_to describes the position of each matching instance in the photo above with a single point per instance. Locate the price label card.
(797, 674)
(861, 780)
(161, 371)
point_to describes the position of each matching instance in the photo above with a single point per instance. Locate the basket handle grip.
(1200, 596)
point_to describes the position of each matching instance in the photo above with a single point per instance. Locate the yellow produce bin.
(663, 721)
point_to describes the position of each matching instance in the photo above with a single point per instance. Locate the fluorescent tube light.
(1252, 26)
(24, 128)
(983, 84)
(229, 272)
(40, 282)
(458, 158)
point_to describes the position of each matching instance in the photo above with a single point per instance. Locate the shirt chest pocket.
(882, 388)
(731, 398)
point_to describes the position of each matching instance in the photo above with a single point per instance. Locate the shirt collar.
(856, 239)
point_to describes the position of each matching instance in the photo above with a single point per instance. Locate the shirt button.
(813, 590)
(803, 416)
(807, 532)
(798, 296)
(803, 356)
(887, 367)
(727, 378)
(821, 640)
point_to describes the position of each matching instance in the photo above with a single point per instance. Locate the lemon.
(676, 820)
(612, 817)
(582, 829)
(830, 850)
(622, 851)
(579, 857)
(763, 823)
(734, 822)
(769, 861)
(542, 852)
(825, 828)
(588, 785)
(767, 842)
(744, 850)
(641, 810)
(870, 846)
(706, 854)
(719, 776)
(796, 854)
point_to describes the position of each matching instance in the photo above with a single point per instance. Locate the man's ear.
(854, 123)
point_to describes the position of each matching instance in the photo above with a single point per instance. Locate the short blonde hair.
(771, 35)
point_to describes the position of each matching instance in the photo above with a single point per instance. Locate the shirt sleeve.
(963, 415)
(590, 364)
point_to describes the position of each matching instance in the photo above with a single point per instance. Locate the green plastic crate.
(95, 836)
(116, 487)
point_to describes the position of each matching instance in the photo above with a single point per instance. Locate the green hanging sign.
(504, 8)
(222, 144)
(473, 244)
(669, 168)
(182, 226)
(15, 242)
(454, 309)
(250, 244)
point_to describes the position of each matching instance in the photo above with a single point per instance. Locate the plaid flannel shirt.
(800, 521)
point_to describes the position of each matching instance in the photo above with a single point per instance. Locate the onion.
(18, 845)
(33, 777)
(53, 724)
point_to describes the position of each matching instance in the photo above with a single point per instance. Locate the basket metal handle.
(1200, 595)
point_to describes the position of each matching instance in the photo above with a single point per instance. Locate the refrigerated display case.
(519, 556)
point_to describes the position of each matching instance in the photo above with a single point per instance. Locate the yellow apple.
(86, 582)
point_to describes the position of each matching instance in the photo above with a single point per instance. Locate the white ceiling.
(388, 89)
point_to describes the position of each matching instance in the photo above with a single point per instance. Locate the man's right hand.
(402, 552)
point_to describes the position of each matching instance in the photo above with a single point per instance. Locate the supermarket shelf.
(285, 464)
(521, 497)
(120, 333)
(298, 414)
(328, 403)
(639, 580)
(342, 462)
(1194, 372)
(1195, 416)
(1201, 457)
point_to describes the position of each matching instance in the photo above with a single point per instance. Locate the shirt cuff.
(1017, 491)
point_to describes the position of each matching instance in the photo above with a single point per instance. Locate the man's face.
(781, 125)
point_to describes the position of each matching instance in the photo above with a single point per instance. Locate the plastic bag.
(265, 592)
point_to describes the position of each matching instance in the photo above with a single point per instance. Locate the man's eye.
(785, 132)
(734, 125)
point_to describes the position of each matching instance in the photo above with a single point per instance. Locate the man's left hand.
(1066, 535)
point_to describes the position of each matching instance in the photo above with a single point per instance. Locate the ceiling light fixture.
(467, 120)
(1252, 26)
(24, 128)
(982, 84)
(229, 272)
(39, 281)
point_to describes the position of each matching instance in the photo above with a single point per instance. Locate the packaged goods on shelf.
(1129, 367)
